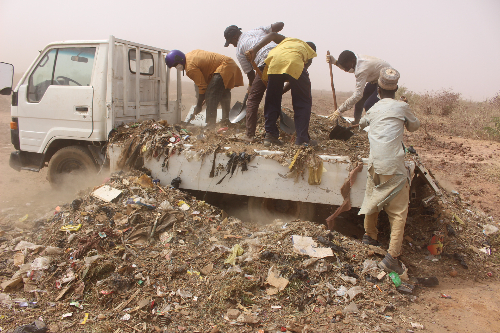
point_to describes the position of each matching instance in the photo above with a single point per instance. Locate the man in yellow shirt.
(287, 62)
(214, 74)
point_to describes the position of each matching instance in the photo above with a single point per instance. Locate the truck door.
(56, 102)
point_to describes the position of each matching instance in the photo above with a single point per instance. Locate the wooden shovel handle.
(331, 81)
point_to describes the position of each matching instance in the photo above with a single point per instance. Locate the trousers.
(217, 93)
(397, 210)
(254, 98)
(370, 97)
(301, 101)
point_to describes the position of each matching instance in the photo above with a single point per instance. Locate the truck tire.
(266, 210)
(70, 161)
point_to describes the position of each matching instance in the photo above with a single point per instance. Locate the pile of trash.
(132, 255)
(159, 140)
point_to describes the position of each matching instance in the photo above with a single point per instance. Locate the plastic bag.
(236, 251)
(40, 263)
(368, 265)
(354, 291)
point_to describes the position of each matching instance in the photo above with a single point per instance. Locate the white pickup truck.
(75, 93)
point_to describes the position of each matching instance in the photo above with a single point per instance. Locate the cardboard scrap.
(123, 304)
(106, 193)
(207, 269)
(307, 246)
(18, 259)
(278, 283)
(11, 284)
(61, 294)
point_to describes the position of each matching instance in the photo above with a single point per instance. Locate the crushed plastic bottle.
(395, 278)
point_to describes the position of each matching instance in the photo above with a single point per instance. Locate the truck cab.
(75, 93)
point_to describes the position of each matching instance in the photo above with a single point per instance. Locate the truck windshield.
(70, 66)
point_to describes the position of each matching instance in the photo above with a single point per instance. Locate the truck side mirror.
(6, 77)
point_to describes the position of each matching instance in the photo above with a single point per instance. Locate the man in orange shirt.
(214, 74)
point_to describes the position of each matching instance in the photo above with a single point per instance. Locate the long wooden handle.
(257, 70)
(331, 80)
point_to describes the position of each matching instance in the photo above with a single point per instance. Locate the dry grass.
(446, 113)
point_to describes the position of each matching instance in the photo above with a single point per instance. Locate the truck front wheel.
(68, 162)
(266, 210)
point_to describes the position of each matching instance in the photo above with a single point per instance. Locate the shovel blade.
(237, 112)
(287, 124)
(340, 133)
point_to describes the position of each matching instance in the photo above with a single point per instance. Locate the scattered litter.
(349, 279)
(145, 255)
(125, 317)
(417, 325)
(106, 193)
(351, 308)
(71, 227)
(278, 283)
(341, 291)
(489, 229)
(354, 291)
(18, 259)
(307, 246)
(37, 326)
(85, 318)
(395, 278)
(236, 251)
(436, 245)
(23, 245)
(183, 205)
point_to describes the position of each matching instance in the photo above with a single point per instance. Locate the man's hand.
(404, 99)
(250, 55)
(334, 116)
(331, 60)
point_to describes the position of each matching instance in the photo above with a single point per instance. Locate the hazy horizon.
(434, 44)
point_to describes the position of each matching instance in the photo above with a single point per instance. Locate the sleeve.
(267, 28)
(411, 122)
(357, 95)
(244, 63)
(364, 122)
(196, 75)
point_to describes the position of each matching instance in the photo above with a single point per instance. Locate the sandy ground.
(471, 167)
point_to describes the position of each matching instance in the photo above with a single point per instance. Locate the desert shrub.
(493, 107)
(495, 101)
(444, 112)
(442, 102)
(494, 130)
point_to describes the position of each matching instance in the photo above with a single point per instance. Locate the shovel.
(287, 124)
(338, 132)
(238, 111)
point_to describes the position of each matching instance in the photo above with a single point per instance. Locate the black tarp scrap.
(235, 160)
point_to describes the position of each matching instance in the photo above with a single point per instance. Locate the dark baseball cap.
(230, 32)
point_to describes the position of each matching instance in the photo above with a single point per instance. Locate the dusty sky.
(445, 44)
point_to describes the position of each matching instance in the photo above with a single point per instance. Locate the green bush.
(494, 131)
